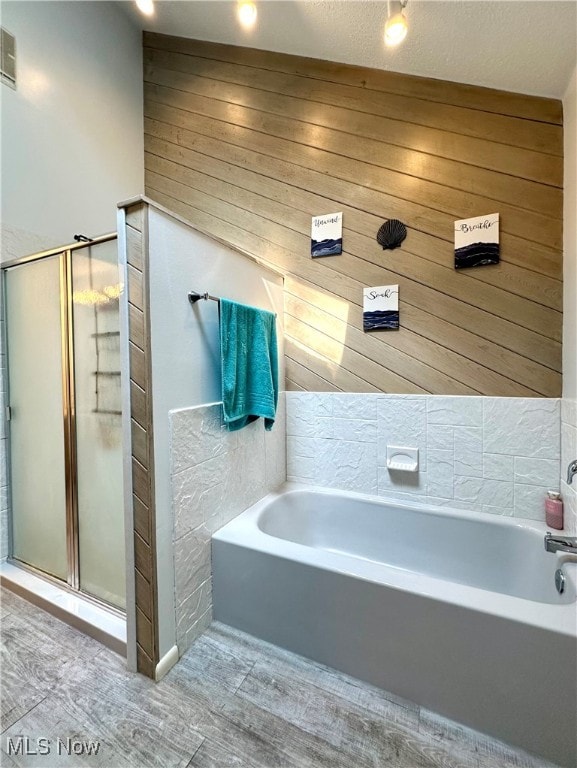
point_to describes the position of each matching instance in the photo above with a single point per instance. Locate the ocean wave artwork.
(476, 255)
(327, 235)
(328, 247)
(381, 308)
(380, 320)
(477, 241)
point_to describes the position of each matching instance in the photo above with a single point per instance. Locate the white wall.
(71, 143)
(570, 241)
(569, 405)
(185, 360)
(72, 132)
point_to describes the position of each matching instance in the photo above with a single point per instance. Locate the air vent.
(8, 58)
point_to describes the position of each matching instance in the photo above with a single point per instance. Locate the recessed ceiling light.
(396, 26)
(247, 14)
(145, 6)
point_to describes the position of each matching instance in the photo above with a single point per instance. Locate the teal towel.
(249, 361)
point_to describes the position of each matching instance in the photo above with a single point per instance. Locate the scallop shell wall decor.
(391, 234)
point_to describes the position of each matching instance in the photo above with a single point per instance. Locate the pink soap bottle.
(554, 510)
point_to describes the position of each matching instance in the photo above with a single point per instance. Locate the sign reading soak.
(477, 241)
(327, 235)
(381, 308)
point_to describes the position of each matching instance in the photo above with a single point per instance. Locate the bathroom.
(396, 603)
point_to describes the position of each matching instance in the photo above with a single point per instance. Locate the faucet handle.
(571, 471)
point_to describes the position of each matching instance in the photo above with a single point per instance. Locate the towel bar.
(194, 296)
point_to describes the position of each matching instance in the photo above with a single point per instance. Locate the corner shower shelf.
(106, 373)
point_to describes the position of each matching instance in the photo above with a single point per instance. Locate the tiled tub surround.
(568, 454)
(216, 475)
(497, 455)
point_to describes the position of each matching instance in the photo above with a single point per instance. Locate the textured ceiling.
(528, 47)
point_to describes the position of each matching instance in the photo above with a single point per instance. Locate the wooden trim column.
(142, 445)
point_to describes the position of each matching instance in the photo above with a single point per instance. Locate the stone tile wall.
(216, 475)
(497, 455)
(568, 454)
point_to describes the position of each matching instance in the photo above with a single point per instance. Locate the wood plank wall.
(247, 145)
(142, 441)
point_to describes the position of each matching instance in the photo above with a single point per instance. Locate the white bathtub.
(456, 611)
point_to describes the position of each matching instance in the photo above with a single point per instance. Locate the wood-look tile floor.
(231, 701)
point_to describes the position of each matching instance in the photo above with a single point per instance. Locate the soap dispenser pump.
(554, 510)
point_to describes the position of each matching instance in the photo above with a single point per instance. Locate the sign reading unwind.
(327, 235)
(477, 241)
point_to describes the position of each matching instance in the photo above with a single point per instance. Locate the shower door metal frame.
(68, 410)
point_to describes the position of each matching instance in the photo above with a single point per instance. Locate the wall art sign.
(381, 308)
(477, 241)
(327, 235)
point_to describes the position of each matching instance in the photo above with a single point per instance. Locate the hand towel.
(249, 362)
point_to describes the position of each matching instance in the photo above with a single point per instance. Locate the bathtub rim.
(244, 531)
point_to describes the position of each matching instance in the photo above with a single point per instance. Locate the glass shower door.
(66, 465)
(37, 393)
(96, 352)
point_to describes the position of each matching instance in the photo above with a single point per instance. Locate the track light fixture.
(396, 26)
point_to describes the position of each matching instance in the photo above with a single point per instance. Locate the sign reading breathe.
(477, 241)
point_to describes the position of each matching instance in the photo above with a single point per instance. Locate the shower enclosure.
(64, 409)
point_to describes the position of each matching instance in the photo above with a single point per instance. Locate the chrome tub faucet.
(566, 544)
(571, 471)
